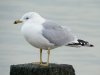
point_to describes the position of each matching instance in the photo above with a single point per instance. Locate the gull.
(47, 35)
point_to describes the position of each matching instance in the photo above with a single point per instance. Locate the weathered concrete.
(36, 69)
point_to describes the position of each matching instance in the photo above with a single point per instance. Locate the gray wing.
(58, 35)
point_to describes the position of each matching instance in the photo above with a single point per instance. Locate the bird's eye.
(27, 18)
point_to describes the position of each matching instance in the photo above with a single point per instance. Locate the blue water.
(82, 16)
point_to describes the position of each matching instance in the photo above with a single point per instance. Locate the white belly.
(34, 36)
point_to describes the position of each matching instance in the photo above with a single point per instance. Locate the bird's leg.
(48, 56)
(40, 55)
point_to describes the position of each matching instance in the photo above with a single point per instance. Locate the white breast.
(33, 34)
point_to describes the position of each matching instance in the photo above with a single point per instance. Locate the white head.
(28, 16)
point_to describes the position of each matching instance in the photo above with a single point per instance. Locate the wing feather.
(58, 35)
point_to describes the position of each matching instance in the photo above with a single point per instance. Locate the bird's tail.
(80, 43)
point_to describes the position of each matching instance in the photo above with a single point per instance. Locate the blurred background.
(82, 16)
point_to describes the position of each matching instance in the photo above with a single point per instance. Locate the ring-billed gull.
(47, 35)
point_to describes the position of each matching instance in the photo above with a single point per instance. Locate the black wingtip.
(85, 43)
(91, 45)
(80, 43)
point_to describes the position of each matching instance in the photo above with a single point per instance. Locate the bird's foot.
(35, 62)
(45, 65)
(41, 63)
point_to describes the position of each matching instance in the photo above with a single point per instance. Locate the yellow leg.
(48, 56)
(40, 55)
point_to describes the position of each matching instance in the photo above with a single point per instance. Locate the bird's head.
(27, 16)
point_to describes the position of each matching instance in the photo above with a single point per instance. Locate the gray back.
(56, 34)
